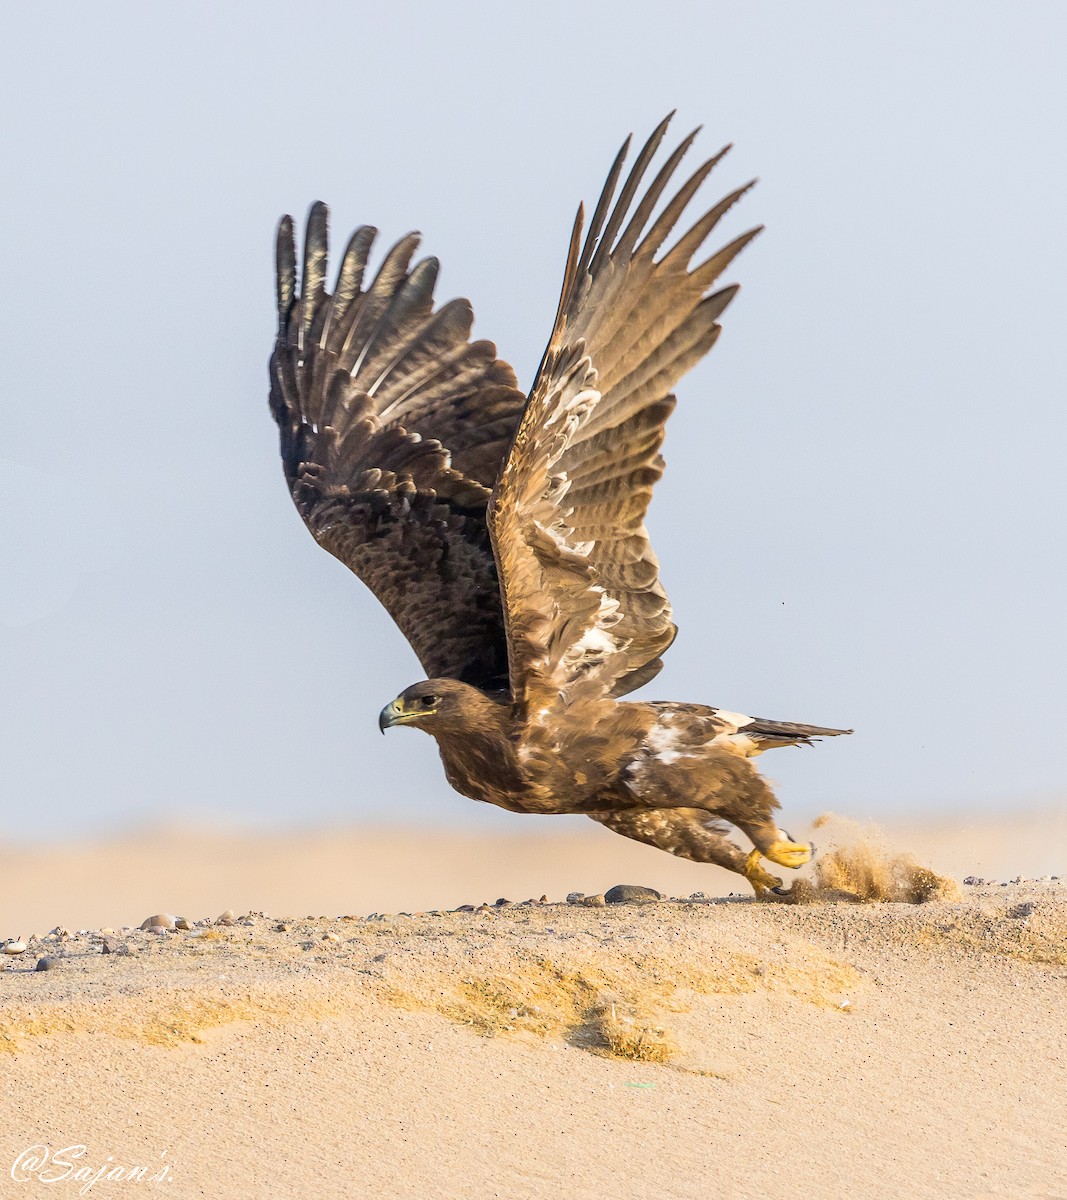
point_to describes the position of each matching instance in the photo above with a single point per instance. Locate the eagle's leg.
(745, 800)
(775, 844)
(691, 833)
(761, 880)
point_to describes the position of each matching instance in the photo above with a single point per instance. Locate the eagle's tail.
(769, 734)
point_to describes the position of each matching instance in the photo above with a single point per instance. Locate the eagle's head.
(434, 705)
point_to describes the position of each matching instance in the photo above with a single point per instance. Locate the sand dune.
(715, 1048)
(719, 1048)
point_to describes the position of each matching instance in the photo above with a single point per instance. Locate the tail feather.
(788, 733)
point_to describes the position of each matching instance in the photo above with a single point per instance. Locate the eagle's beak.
(390, 715)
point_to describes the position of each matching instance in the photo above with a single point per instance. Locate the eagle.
(505, 533)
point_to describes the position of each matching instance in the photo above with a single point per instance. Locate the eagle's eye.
(429, 701)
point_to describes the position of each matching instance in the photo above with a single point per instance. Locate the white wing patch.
(662, 738)
(668, 742)
(596, 643)
(737, 720)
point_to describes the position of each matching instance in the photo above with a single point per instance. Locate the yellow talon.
(789, 854)
(761, 881)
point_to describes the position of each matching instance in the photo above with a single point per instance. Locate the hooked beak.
(390, 715)
(397, 714)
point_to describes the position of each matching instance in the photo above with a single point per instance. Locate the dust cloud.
(859, 865)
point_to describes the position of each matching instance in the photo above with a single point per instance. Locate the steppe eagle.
(505, 534)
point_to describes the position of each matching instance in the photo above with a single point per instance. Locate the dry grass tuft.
(631, 1036)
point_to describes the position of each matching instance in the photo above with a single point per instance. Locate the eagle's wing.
(583, 602)
(393, 427)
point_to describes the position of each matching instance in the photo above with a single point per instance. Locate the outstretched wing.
(583, 602)
(393, 427)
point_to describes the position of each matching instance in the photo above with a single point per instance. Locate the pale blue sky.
(862, 517)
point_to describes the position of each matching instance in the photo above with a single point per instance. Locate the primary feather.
(586, 612)
(393, 425)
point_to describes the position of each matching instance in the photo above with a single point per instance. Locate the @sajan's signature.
(42, 1164)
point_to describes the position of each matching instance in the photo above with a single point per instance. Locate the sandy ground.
(720, 1048)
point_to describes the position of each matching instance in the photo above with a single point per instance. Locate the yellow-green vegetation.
(167, 1019)
(613, 1005)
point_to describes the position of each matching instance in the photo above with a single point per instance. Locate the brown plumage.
(506, 535)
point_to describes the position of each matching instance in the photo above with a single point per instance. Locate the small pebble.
(593, 901)
(464, 908)
(281, 927)
(225, 918)
(330, 937)
(15, 946)
(631, 893)
(110, 946)
(45, 964)
(575, 897)
(182, 923)
(502, 902)
(107, 931)
(973, 881)
(699, 896)
(246, 921)
(162, 921)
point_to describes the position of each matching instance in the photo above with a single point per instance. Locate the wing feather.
(393, 426)
(585, 611)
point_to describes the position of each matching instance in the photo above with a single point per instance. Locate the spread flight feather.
(506, 534)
